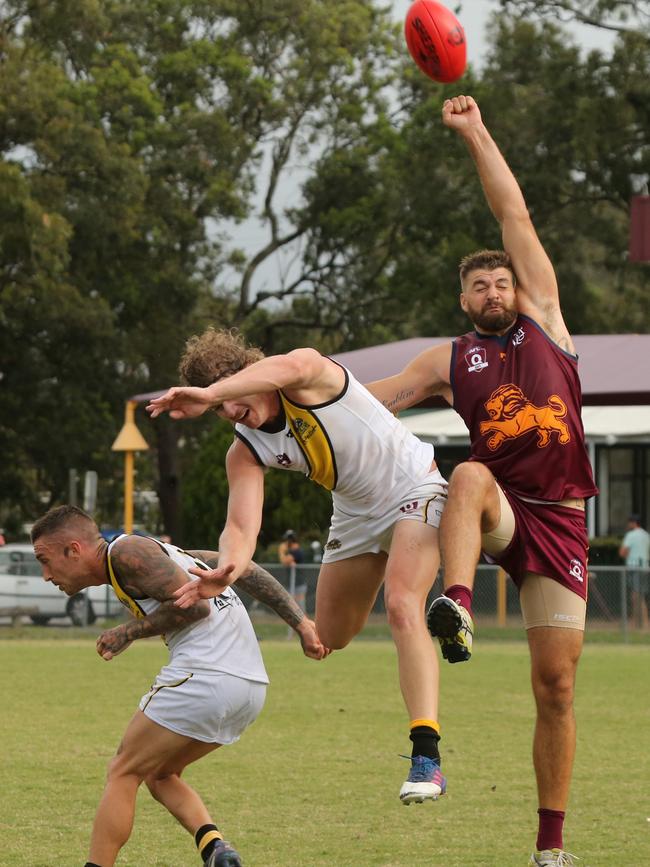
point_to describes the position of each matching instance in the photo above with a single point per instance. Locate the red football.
(435, 40)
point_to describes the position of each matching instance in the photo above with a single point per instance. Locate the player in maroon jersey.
(520, 496)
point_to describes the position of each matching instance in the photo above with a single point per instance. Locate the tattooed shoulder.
(144, 569)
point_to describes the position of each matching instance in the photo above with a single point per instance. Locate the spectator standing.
(289, 551)
(635, 550)
(290, 554)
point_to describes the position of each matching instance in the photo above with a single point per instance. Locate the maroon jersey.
(519, 395)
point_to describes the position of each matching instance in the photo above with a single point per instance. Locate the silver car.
(22, 586)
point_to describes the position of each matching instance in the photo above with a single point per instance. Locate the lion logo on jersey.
(512, 415)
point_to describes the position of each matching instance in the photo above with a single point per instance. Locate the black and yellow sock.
(425, 734)
(205, 839)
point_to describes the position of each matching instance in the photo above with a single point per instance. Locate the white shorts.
(208, 706)
(350, 535)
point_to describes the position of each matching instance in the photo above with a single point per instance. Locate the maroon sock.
(462, 595)
(549, 835)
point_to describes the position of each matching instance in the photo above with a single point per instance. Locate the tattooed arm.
(144, 569)
(427, 375)
(261, 585)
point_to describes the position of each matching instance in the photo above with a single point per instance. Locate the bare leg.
(180, 799)
(639, 610)
(114, 818)
(145, 747)
(345, 594)
(554, 658)
(411, 570)
(473, 508)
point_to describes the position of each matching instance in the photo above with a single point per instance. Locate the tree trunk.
(169, 490)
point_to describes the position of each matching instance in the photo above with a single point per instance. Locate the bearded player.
(520, 498)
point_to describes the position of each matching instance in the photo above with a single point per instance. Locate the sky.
(473, 15)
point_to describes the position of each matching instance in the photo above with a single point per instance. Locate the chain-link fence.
(618, 596)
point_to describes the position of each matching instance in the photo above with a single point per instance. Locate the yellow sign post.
(502, 591)
(129, 440)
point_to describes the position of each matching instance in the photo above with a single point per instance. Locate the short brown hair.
(488, 259)
(215, 354)
(61, 517)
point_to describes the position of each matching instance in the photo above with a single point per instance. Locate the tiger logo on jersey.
(512, 415)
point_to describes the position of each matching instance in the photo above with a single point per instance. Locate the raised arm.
(537, 290)
(300, 371)
(145, 570)
(426, 376)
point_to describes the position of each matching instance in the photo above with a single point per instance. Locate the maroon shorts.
(548, 540)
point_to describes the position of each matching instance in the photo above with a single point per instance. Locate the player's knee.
(470, 477)
(122, 765)
(554, 690)
(333, 636)
(156, 785)
(336, 642)
(403, 610)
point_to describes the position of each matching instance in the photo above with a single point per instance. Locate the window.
(624, 481)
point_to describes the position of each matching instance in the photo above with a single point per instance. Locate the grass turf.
(314, 782)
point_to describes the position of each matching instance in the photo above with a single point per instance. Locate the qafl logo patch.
(475, 359)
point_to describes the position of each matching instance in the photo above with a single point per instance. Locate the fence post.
(292, 591)
(624, 623)
(501, 598)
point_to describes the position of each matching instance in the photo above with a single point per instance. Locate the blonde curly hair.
(215, 354)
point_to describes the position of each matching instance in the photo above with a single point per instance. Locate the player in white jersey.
(212, 688)
(303, 411)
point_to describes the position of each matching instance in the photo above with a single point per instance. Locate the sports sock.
(549, 835)
(462, 595)
(91, 864)
(425, 734)
(206, 838)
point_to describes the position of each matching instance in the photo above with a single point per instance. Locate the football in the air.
(435, 40)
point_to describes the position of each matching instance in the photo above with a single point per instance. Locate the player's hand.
(209, 583)
(312, 646)
(461, 113)
(181, 402)
(112, 642)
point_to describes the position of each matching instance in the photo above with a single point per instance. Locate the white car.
(22, 586)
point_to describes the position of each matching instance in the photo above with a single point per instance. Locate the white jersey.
(224, 641)
(351, 445)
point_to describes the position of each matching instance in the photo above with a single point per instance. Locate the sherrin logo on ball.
(435, 40)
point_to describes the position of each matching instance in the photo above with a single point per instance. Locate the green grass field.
(314, 782)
